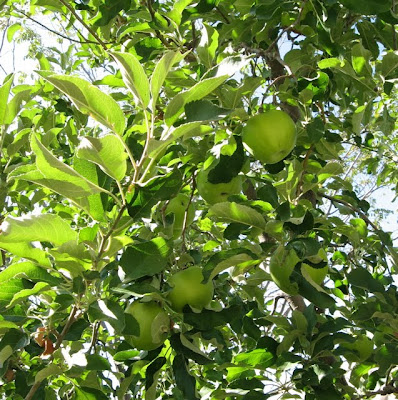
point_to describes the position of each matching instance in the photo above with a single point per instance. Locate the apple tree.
(188, 199)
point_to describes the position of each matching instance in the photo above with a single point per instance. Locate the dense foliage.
(137, 99)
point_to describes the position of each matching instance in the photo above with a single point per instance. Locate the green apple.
(187, 288)
(154, 325)
(217, 192)
(178, 206)
(270, 136)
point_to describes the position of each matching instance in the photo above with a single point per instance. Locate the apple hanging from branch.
(270, 136)
(188, 288)
(154, 325)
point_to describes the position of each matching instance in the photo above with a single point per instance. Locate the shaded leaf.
(145, 259)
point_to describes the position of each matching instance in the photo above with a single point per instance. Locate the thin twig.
(71, 320)
(60, 338)
(157, 32)
(77, 16)
(4, 34)
(223, 15)
(109, 233)
(54, 32)
(184, 224)
(353, 208)
(33, 390)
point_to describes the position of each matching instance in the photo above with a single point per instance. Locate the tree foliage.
(119, 119)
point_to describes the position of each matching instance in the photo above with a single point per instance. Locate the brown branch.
(157, 32)
(109, 233)
(77, 16)
(33, 390)
(60, 338)
(71, 320)
(184, 224)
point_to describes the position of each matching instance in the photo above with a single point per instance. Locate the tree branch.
(77, 16)
(353, 208)
(52, 31)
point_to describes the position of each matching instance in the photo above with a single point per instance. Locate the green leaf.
(178, 7)
(360, 277)
(57, 176)
(222, 258)
(24, 294)
(281, 266)
(89, 100)
(12, 30)
(185, 382)
(316, 130)
(234, 212)
(389, 65)
(89, 394)
(258, 358)
(6, 326)
(145, 259)
(97, 363)
(368, 7)
(109, 311)
(210, 319)
(14, 106)
(151, 377)
(9, 289)
(190, 129)
(161, 188)
(30, 271)
(134, 76)
(196, 92)
(43, 228)
(182, 345)
(107, 152)
(95, 201)
(204, 110)
(26, 250)
(208, 45)
(109, 9)
(4, 93)
(160, 72)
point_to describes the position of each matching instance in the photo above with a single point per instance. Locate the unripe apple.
(178, 206)
(217, 192)
(270, 136)
(187, 288)
(154, 325)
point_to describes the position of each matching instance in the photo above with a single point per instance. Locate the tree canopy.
(122, 165)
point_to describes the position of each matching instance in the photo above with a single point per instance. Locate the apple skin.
(187, 288)
(214, 193)
(178, 206)
(270, 136)
(154, 325)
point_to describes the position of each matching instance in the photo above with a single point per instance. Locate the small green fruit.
(270, 136)
(154, 325)
(187, 288)
(217, 192)
(178, 206)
